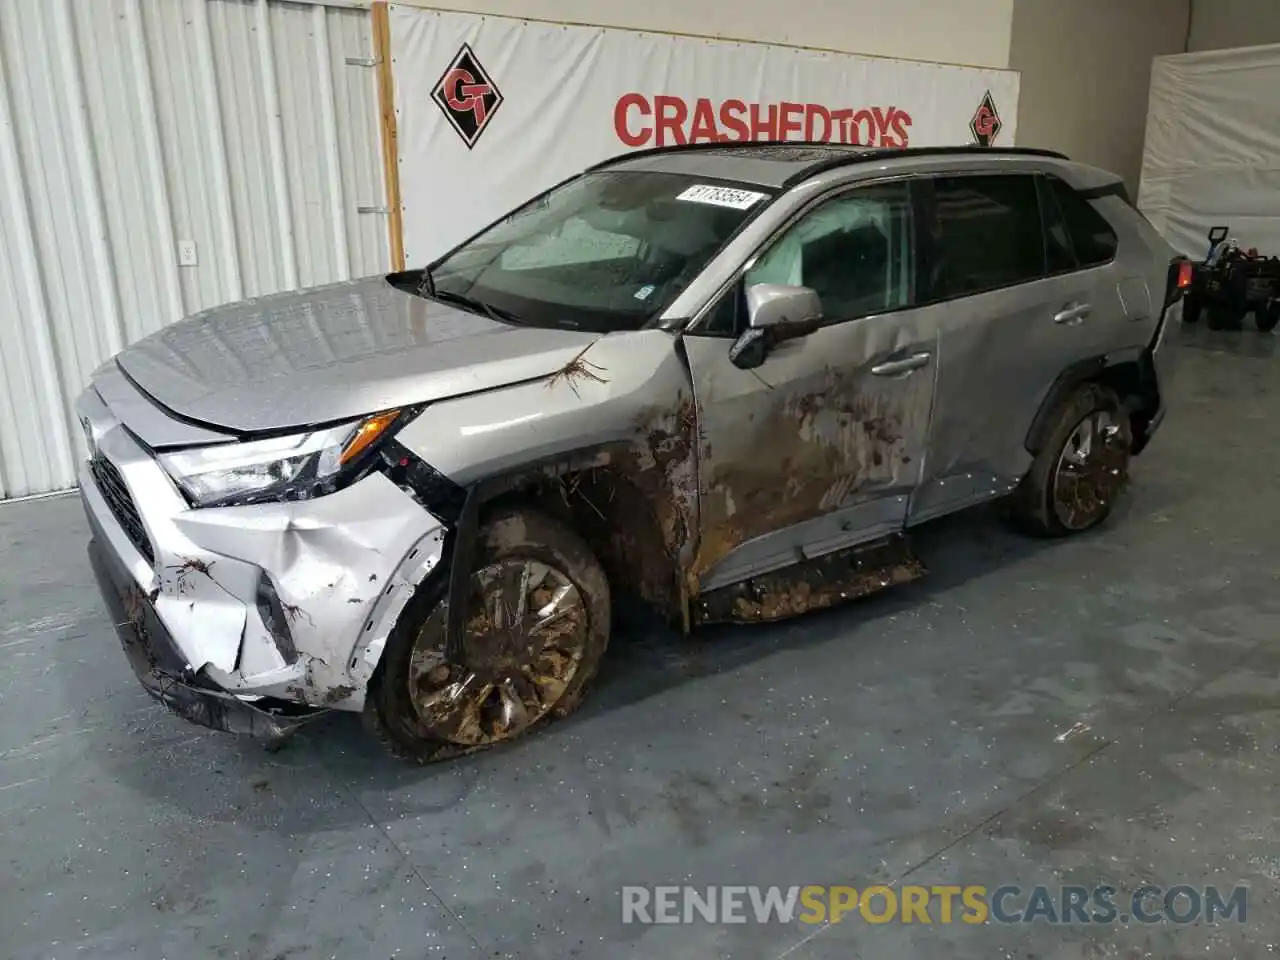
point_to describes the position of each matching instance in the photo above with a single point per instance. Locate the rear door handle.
(1073, 314)
(891, 368)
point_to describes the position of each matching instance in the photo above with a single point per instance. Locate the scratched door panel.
(812, 450)
(999, 355)
(1016, 312)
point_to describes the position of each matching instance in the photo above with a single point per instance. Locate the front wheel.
(537, 626)
(1269, 316)
(1080, 468)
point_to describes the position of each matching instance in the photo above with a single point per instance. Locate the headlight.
(294, 467)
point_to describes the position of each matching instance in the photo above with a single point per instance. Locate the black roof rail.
(967, 148)
(880, 153)
(852, 148)
(852, 153)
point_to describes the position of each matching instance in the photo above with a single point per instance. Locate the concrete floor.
(1105, 709)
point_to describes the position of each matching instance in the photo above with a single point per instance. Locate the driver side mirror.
(775, 312)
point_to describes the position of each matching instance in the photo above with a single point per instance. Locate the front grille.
(111, 486)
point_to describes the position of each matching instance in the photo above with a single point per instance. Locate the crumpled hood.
(345, 350)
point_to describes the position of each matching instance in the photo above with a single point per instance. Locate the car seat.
(847, 268)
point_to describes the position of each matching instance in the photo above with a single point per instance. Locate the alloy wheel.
(1091, 470)
(523, 643)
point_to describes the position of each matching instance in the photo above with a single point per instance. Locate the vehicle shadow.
(647, 659)
(955, 549)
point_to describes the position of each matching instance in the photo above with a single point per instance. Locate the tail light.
(1181, 275)
(1185, 271)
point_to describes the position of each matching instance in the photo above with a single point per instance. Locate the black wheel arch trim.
(1094, 368)
(464, 512)
(1066, 382)
(437, 494)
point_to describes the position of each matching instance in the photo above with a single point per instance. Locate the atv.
(1230, 283)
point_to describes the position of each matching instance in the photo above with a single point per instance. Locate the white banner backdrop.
(1212, 153)
(491, 110)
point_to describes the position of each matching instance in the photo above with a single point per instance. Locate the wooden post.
(390, 144)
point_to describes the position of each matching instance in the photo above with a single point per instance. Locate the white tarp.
(491, 110)
(1212, 152)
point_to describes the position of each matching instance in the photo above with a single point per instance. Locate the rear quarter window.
(1092, 237)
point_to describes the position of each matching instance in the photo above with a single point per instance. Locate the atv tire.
(1191, 309)
(1225, 317)
(1268, 316)
(1229, 311)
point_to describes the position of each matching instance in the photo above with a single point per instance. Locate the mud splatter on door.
(821, 427)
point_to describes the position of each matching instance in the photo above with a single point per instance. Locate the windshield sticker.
(644, 292)
(722, 196)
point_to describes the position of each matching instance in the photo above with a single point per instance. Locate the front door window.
(854, 250)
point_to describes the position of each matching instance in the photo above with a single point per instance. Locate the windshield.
(607, 251)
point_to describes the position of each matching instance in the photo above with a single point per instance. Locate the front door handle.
(1073, 314)
(891, 368)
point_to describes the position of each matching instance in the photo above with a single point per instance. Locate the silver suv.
(726, 380)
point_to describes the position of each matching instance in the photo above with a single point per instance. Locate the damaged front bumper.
(251, 618)
(163, 671)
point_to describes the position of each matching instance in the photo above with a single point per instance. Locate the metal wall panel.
(132, 132)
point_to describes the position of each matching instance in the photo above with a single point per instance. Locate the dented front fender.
(335, 563)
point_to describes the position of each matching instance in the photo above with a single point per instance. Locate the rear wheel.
(1191, 308)
(1080, 468)
(537, 627)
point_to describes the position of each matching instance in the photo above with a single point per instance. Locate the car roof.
(782, 164)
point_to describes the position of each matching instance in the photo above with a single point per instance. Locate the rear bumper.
(162, 670)
(1159, 369)
(1154, 424)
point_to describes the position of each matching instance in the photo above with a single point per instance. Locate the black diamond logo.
(467, 95)
(985, 125)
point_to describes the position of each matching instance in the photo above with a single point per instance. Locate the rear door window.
(987, 234)
(1091, 236)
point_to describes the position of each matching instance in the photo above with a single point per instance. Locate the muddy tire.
(554, 596)
(1079, 469)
